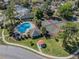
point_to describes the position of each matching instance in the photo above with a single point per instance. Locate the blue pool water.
(23, 27)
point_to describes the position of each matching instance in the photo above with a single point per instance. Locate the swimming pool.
(22, 28)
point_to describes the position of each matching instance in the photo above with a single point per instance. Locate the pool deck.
(25, 33)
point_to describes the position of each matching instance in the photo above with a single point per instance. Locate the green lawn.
(53, 47)
(6, 32)
(26, 42)
(1, 42)
(0, 31)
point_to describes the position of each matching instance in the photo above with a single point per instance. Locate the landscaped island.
(50, 28)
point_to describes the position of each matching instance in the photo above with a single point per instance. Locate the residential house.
(22, 12)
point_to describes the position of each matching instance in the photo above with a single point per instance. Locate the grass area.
(26, 42)
(53, 47)
(1, 42)
(0, 30)
(34, 1)
(6, 32)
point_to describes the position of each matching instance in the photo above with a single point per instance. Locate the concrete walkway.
(33, 50)
(39, 48)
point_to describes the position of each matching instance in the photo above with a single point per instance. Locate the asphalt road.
(10, 52)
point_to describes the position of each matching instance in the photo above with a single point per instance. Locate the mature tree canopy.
(39, 14)
(65, 10)
(78, 4)
(71, 37)
(10, 10)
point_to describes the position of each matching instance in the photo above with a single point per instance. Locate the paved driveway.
(10, 52)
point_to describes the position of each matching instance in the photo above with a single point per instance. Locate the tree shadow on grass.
(69, 49)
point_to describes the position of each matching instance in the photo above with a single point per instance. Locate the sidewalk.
(33, 50)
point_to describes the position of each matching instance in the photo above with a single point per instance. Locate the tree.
(49, 2)
(10, 11)
(10, 16)
(78, 3)
(43, 30)
(45, 33)
(25, 3)
(70, 36)
(38, 23)
(39, 14)
(65, 10)
(2, 5)
(49, 12)
(34, 10)
(46, 5)
(34, 1)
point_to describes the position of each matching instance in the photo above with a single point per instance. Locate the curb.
(35, 51)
